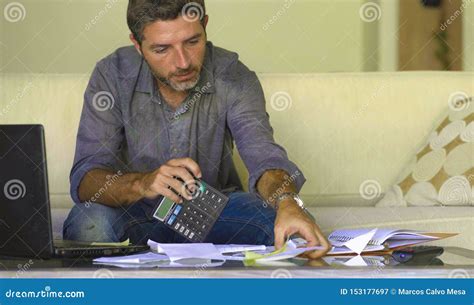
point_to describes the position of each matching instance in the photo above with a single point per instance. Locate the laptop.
(25, 212)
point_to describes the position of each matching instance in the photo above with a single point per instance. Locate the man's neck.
(172, 97)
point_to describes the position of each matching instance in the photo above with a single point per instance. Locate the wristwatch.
(298, 200)
(291, 195)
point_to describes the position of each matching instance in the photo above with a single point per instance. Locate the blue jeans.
(245, 220)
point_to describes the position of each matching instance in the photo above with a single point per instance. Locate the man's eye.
(194, 41)
(160, 51)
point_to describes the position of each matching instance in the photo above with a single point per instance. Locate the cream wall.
(468, 32)
(56, 36)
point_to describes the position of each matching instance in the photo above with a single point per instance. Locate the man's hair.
(140, 13)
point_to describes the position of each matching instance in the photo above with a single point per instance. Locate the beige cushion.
(442, 172)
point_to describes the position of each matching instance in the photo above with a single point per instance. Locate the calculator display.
(163, 209)
(193, 218)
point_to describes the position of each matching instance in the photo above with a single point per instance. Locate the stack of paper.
(202, 254)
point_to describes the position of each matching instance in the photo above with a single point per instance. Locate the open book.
(350, 241)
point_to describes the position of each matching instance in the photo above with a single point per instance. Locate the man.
(166, 110)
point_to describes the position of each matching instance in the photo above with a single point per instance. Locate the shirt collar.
(146, 80)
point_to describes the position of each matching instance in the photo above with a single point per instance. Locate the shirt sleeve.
(250, 126)
(100, 132)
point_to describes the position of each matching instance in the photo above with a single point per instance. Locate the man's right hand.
(164, 180)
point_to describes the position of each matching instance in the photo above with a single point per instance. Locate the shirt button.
(174, 150)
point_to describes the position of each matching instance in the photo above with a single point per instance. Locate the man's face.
(175, 50)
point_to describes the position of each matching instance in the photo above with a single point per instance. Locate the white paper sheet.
(358, 244)
(187, 250)
(140, 258)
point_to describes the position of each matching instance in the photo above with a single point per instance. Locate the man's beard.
(178, 86)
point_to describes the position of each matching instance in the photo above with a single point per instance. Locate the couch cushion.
(442, 172)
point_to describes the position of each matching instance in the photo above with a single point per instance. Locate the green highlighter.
(193, 219)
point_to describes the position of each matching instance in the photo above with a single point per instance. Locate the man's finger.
(323, 242)
(189, 163)
(279, 238)
(309, 235)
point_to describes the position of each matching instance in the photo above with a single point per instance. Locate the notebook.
(350, 241)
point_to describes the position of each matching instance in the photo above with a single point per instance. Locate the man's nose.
(182, 59)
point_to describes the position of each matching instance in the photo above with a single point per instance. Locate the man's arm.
(109, 188)
(115, 189)
(290, 218)
(266, 161)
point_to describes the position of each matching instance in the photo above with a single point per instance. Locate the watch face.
(299, 201)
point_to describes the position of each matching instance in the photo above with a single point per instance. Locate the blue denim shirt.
(125, 124)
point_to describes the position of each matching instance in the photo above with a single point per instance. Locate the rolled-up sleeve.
(250, 126)
(100, 132)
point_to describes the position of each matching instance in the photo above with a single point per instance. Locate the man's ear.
(136, 44)
(205, 21)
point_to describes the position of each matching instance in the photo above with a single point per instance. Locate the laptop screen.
(25, 220)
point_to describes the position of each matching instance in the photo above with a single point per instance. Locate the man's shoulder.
(123, 62)
(227, 65)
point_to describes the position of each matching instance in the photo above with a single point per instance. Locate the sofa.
(341, 129)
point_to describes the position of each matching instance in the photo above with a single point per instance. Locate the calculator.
(193, 218)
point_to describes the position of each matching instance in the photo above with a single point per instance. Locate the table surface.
(455, 262)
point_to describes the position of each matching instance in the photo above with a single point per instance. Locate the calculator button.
(177, 209)
(186, 232)
(191, 235)
(181, 230)
(171, 219)
(177, 226)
